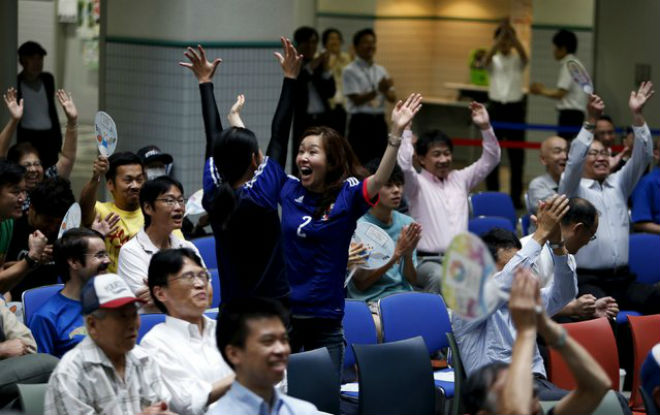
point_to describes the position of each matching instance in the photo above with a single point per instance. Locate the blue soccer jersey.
(316, 250)
(58, 326)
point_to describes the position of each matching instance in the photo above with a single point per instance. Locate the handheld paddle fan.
(378, 244)
(71, 219)
(194, 204)
(106, 133)
(580, 75)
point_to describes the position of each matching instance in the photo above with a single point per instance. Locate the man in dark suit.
(314, 87)
(40, 125)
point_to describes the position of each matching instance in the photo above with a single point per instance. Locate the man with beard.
(58, 325)
(554, 153)
(50, 201)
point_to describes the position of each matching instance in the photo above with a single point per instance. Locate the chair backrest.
(206, 248)
(359, 328)
(597, 338)
(493, 204)
(645, 333)
(215, 283)
(147, 321)
(311, 376)
(483, 224)
(412, 314)
(395, 378)
(525, 221)
(32, 397)
(643, 257)
(459, 374)
(34, 298)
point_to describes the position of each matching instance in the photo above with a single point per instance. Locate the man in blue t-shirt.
(58, 325)
(646, 198)
(399, 274)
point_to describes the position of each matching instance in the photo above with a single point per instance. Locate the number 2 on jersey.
(305, 222)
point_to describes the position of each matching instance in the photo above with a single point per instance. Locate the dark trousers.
(621, 285)
(513, 112)
(337, 119)
(47, 143)
(367, 134)
(30, 368)
(314, 333)
(570, 118)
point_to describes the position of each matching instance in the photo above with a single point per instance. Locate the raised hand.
(37, 242)
(404, 112)
(199, 65)
(548, 216)
(15, 107)
(234, 115)
(408, 240)
(638, 99)
(291, 61)
(480, 115)
(524, 300)
(101, 166)
(65, 100)
(107, 225)
(595, 108)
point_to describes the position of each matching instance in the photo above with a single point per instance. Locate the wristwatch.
(557, 245)
(32, 263)
(588, 126)
(393, 140)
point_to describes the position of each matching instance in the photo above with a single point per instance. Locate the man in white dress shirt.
(184, 346)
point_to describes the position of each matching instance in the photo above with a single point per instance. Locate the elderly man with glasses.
(185, 344)
(603, 264)
(163, 207)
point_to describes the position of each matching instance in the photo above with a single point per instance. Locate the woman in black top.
(248, 237)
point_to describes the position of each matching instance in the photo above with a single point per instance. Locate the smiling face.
(554, 154)
(312, 163)
(437, 160)
(166, 212)
(126, 185)
(96, 260)
(186, 295)
(333, 43)
(597, 163)
(34, 171)
(262, 361)
(12, 197)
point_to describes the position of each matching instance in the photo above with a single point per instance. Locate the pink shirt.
(441, 206)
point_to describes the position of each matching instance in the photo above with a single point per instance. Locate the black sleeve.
(281, 126)
(212, 124)
(324, 86)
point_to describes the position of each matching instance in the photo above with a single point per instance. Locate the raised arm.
(405, 159)
(291, 63)
(402, 114)
(570, 180)
(642, 152)
(491, 153)
(87, 199)
(234, 115)
(15, 108)
(204, 72)
(68, 154)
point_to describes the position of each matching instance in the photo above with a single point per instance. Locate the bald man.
(554, 153)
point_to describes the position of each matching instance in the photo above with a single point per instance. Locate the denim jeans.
(314, 333)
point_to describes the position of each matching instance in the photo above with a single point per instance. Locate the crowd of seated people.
(283, 249)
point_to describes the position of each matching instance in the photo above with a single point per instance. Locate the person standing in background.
(40, 125)
(333, 40)
(507, 102)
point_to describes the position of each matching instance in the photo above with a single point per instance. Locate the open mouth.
(177, 217)
(305, 171)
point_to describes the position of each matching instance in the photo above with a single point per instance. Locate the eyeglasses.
(100, 255)
(189, 277)
(171, 202)
(596, 153)
(33, 164)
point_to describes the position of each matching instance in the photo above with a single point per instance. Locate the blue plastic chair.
(483, 224)
(493, 204)
(34, 298)
(408, 315)
(215, 283)
(212, 314)
(312, 377)
(359, 328)
(525, 222)
(643, 257)
(147, 321)
(206, 247)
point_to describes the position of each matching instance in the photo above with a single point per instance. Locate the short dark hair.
(303, 34)
(395, 177)
(327, 32)
(357, 37)
(10, 173)
(165, 263)
(566, 39)
(233, 317)
(431, 138)
(499, 238)
(20, 150)
(499, 30)
(477, 388)
(607, 118)
(150, 191)
(580, 211)
(121, 159)
(52, 197)
(72, 245)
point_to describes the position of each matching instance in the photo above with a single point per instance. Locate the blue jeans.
(314, 333)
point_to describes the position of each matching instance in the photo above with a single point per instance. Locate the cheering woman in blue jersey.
(320, 210)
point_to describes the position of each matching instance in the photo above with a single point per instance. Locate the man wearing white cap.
(106, 373)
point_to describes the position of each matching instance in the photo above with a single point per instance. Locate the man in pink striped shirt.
(438, 195)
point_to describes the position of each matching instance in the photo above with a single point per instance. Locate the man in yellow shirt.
(124, 178)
